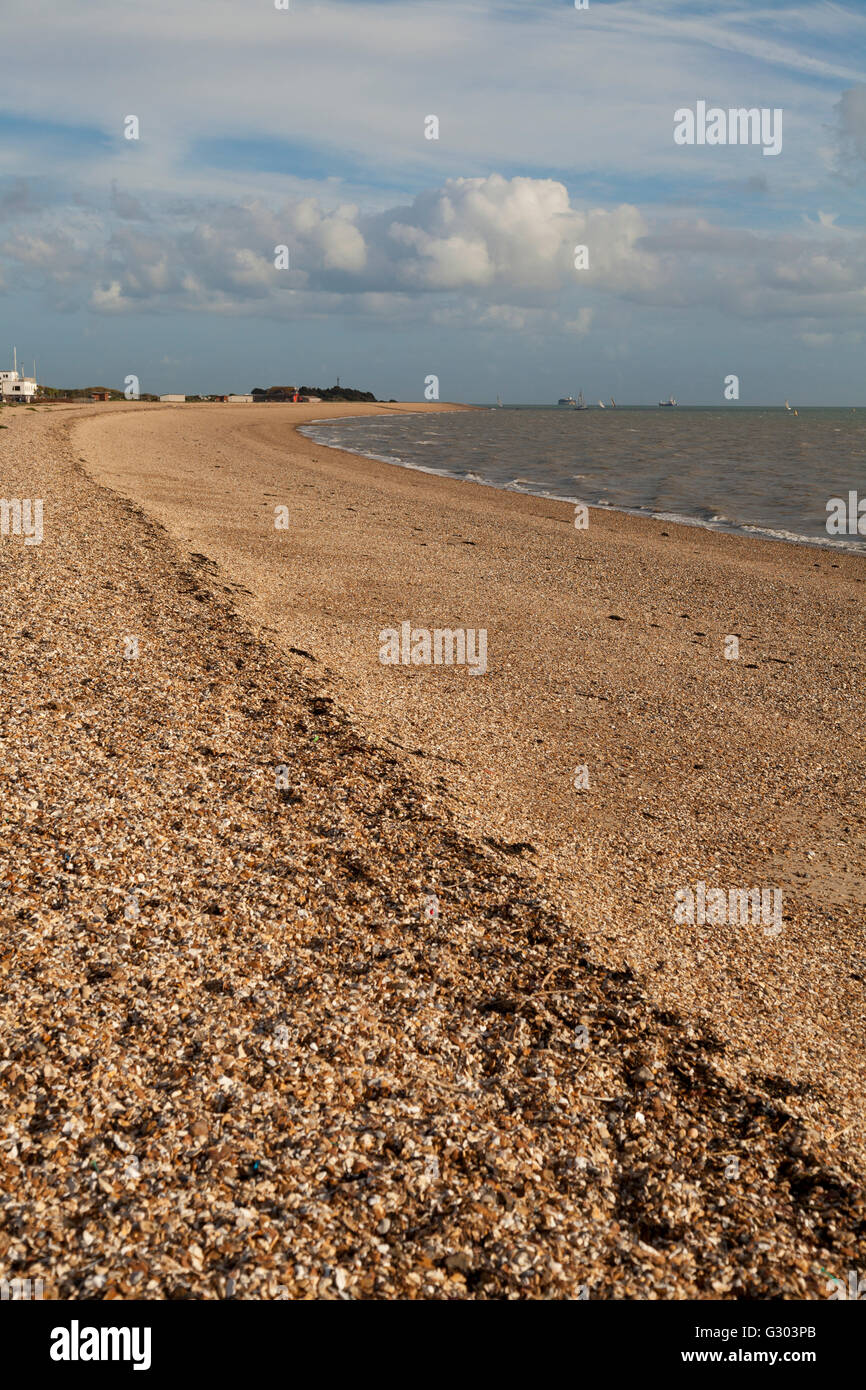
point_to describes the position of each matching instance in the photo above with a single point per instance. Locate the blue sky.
(454, 256)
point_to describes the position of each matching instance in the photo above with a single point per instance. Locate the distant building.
(237, 400)
(15, 387)
(100, 395)
(173, 399)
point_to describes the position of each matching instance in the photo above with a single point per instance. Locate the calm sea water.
(759, 472)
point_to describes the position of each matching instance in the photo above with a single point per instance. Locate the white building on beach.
(15, 387)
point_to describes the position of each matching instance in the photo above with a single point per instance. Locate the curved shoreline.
(606, 647)
(724, 527)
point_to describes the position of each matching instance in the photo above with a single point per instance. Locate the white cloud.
(477, 250)
(501, 238)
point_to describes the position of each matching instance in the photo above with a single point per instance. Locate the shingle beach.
(320, 978)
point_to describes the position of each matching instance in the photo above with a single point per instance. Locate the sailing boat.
(498, 402)
(581, 403)
(787, 405)
(613, 403)
(601, 405)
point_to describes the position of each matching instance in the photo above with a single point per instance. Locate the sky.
(410, 257)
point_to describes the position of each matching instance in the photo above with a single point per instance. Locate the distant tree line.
(324, 393)
(74, 393)
(336, 393)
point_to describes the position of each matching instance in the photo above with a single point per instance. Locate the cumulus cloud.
(759, 274)
(500, 239)
(495, 252)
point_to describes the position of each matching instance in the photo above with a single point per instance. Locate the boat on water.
(788, 405)
(669, 402)
(601, 405)
(581, 403)
(567, 400)
(612, 403)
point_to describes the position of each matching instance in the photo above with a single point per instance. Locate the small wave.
(824, 543)
(494, 459)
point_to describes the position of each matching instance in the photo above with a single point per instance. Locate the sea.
(759, 472)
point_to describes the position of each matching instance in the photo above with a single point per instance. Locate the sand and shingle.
(241, 1058)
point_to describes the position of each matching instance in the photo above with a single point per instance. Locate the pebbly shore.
(282, 1018)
